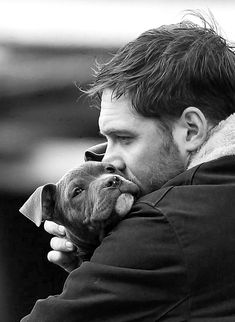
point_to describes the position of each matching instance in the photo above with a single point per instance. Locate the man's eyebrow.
(108, 132)
(116, 132)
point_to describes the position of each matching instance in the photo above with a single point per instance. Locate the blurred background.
(46, 47)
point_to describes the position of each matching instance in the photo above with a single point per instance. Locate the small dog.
(88, 201)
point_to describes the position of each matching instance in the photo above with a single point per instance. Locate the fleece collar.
(220, 143)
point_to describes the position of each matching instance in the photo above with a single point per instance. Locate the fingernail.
(61, 229)
(69, 245)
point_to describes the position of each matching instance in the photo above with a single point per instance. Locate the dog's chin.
(123, 204)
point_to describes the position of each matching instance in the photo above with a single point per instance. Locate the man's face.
(137, 146)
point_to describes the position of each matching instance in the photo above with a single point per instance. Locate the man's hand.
(63, 253)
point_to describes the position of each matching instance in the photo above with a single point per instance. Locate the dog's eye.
(110, 169)
(77, 191)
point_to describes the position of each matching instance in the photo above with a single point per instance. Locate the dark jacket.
(171, 259)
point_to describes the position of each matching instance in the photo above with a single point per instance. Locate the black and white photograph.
(117, 158)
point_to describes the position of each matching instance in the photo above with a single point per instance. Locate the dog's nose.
(113, 181)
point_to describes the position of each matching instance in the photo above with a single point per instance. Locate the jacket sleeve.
(136, 274)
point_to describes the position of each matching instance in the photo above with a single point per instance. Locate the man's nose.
(114, 159)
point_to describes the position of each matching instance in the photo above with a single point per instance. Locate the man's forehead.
(113, 120)
(115, 109)
(118, 116)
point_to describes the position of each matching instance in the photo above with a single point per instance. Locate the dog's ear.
(48, 201)
(40, 205)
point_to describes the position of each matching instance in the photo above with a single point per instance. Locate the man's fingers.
(61, 244)
(54, 229)
(62, 253)
(67, 261)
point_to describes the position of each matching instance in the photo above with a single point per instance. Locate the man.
(167, 100)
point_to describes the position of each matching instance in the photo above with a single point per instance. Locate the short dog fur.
(88, 201)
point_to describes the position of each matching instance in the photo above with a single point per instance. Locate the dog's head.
(85, 201)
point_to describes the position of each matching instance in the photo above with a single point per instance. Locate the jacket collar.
(220, 143)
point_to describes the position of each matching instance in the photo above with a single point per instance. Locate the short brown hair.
(172, 67)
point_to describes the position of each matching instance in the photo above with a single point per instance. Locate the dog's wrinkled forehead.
(86, 172)
(91, 168)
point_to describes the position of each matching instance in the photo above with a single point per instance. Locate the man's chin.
(145, 190)
(144, 187)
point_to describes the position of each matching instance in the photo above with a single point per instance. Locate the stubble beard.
(169, 165)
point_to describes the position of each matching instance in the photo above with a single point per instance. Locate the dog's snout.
(113, 181)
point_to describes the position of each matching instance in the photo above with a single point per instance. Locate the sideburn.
(171, 163)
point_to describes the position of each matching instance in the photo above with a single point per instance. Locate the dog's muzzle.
(114, 182)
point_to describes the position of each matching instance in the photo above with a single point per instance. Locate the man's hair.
(172, 67)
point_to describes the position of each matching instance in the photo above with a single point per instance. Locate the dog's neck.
(220, 143)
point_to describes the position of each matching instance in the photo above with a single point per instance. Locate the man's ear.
(191, 130)
(40, 205)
